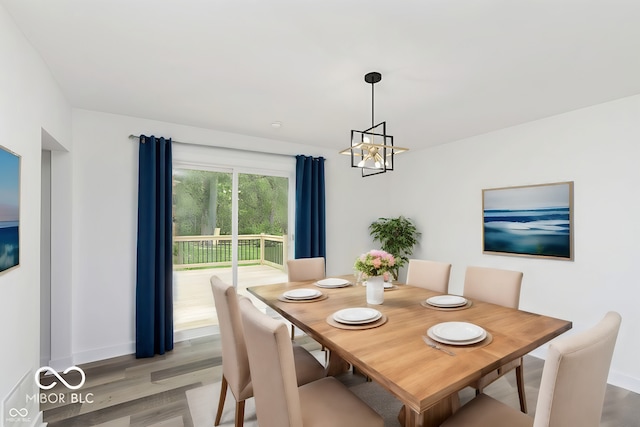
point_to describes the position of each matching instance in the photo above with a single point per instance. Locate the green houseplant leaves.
(398, 236)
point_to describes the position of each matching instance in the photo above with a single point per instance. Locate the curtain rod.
(223, 148)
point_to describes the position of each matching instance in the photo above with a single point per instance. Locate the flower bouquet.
(375, 263)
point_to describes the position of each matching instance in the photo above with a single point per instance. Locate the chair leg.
(223, 396)
(240, 413)
(520, 382)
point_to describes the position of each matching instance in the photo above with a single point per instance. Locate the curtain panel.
(154, 272)
(310, 224)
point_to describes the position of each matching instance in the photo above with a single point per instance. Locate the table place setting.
(357, 318)
(456, 334)
(389, 286)
(447, 303)
(333, 282)
(302, 295)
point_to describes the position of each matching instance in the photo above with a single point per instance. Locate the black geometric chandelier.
(372, 149)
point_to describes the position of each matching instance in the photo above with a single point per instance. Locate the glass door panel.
(263, 218)
(202, 230)
(244, 243)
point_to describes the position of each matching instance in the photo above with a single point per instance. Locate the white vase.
(375, 290)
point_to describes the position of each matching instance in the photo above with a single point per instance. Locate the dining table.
(392, 350)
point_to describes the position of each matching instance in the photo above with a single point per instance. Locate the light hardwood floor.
(144, 392)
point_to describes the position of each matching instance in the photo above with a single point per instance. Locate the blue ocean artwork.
(532, 220)
(9, 209)
(544, 232)
(9, 241)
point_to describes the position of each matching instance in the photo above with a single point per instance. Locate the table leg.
(337, 365)
(433, 416)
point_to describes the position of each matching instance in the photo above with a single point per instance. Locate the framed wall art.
(9, 209)
(531, 220)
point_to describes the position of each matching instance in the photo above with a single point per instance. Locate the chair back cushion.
(574, 377)
(235, 363)
(432, 275)
(302, 269)
(272, 365)
(493, 285)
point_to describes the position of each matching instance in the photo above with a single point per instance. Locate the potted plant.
(398, 236)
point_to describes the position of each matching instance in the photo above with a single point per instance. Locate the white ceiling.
(451, 68)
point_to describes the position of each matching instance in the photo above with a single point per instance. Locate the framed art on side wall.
(9, 209)
(531, 220)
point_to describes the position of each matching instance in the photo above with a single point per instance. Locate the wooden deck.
(193, 305)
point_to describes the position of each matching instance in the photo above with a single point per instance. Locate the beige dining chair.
(574, 381)
(236, 374)
(279, 401)
(432, 275)
(500, 287)
(303, 269)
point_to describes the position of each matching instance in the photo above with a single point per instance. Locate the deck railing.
(215, 250)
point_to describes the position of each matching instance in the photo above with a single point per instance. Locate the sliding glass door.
(230, 223)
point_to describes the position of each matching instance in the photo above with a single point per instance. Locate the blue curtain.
(154, 276)
(310, 229)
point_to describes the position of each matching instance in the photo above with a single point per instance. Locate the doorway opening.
(229, 223)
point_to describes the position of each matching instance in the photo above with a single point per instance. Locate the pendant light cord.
(372, 104)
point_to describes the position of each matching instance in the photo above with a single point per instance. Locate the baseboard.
(60, 364)
(102, 354)
(194, 333)
(38, 422)
(121, 350)
(624, 381)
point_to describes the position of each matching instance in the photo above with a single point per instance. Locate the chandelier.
(372, 149)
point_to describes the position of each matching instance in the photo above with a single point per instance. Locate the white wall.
(30, 101)
(440, 188)
(599, 149)
(105, 214)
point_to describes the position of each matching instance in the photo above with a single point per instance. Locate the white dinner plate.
(457, 331)
(388, 285)
(356, 315)
(447, 301)
(332, 283)
(445, 341)
(302, 294)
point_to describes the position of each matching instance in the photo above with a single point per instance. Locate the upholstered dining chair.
(279, 401)
(236, 374)
(303, 269)
(500, 287)
(432, 275)
(574, 381)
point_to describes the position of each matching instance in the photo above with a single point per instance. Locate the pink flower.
(376, 262)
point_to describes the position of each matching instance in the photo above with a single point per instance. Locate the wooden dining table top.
(395, 355)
